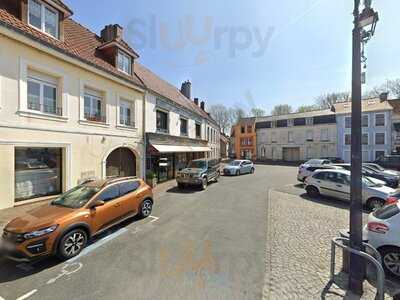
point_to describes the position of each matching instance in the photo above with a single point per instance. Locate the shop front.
(167, 155)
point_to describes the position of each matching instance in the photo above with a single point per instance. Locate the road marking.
(154, 219)
(98, 244)
(27, 295)
(65, 271)
(1, 298)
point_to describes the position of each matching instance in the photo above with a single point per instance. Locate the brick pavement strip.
(298, 248)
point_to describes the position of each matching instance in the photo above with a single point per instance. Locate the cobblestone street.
(298, 248)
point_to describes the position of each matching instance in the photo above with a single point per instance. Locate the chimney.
(112, 32)
(202, 105)
(196, 101)
(186, 89)
(383, 97)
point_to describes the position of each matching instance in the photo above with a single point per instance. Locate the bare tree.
(391, 86)
(257, 112)
(281, 109)
(327, 100)
(305, 108)
(221, 115)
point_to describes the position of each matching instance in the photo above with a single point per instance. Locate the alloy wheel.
(146, 208)
(392, 262)
(74, 244)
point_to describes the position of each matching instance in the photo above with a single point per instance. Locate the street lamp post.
(364, 27)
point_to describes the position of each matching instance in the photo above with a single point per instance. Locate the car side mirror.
(97, 204)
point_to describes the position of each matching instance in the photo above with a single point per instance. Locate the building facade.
(376, 129)
(178, 129)
(245, 139)
(296, 137)
(224, 146)
(395, 126)
(66, 114)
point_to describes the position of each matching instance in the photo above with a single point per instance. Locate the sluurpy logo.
(202, 35)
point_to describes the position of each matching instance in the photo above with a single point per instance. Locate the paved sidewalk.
(298, 248)
(8, 214)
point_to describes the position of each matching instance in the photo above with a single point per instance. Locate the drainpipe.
(144, 136)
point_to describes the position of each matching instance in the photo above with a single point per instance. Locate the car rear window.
(386, 212)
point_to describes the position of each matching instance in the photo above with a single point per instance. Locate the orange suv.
(64, 226)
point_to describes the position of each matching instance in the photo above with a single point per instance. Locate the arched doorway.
(121, 162)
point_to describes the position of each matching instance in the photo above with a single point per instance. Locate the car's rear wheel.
(204, 183)
(72, 243)
(145, 208)
(391, 260)
(375, 203)
(312, 191)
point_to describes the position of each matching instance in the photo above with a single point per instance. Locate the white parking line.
(27, 295)
(98, 244)
(154, 219)
(1, 298)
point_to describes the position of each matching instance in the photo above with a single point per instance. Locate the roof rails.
(113, 179)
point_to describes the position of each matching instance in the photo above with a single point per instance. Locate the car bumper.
(29, 250)
(229, 172)
(190, 181)
(300, 177)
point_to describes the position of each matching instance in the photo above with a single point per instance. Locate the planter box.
(151, 182)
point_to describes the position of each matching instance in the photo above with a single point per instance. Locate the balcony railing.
(48, 109)
(95, 118)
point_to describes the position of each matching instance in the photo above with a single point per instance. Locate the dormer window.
(124, 62)
(43, 17)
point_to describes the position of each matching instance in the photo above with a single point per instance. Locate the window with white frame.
(124, 62)
(43, 17)
(347, 122)
(162, 121)
(309, 121)
(42, 93)
(379, 154)
(379, 119)
(93, 106)
(184, 126)
(379, 138)
(365, 121)
(347, 139)
(126, 113)
(324, 134)
(365, 139)
(290, 122)
(309, 135)
(290, 137)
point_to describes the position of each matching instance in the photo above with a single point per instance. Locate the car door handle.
(117, 205)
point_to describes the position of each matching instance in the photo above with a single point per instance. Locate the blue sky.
(250, 53)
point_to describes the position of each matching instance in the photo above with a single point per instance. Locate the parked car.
(390, 180)
(389, 162)
(199, 173)
(311, 166)
(336, 183)
(378, 168)
(383, 233)
(65, 226)
(238, 167)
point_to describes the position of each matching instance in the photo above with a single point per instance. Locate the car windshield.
(368, 182)
(76, 197)
(377, 167)
(315, 162)
(197, 164)
(235, 163)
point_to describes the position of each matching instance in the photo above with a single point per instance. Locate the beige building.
(71, 105)
(296, 137)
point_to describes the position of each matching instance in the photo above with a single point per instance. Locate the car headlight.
(41, 232)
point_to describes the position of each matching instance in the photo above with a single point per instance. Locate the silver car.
(336, 183)
(238, 167)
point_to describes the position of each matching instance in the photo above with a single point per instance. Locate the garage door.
(291, 154)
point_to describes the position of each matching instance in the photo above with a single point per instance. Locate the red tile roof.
(79, 42)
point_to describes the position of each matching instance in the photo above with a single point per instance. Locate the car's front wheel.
(312, 191)
(204, 183)
(146, 208)
(252, 171)
(237, 173)
(391, 260)
(375, 203)
(71, 244)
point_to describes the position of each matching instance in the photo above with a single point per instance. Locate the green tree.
(257, 112)
(305, 108)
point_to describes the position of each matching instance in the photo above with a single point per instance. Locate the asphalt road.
(197, 245)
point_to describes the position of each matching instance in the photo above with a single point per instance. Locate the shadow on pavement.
(187, 189)
(11, 270)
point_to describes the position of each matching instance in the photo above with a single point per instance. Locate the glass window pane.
(51, 20)
(109, 194)
(35, 14)
(49, 99)
(37, 172)
(87, 106)
(33, 95)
